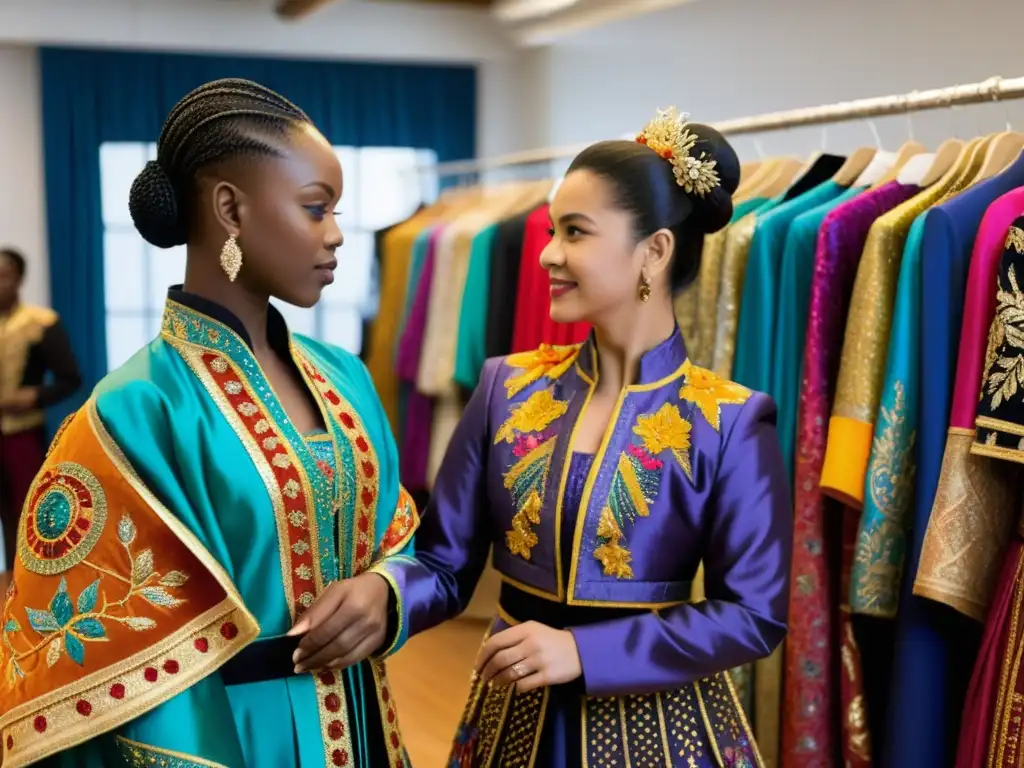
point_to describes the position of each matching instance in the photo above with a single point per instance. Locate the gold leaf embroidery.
(521, 539)
(1015, 240)
(709, 392)
(546, 360)
(614, 558)
(1008, 369)
(539, 410)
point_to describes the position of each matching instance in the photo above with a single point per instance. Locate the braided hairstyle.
(217, 121)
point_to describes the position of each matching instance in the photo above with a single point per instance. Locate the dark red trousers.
(21, 456)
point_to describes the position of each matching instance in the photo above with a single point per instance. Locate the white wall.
(22, 212)
(729, 58)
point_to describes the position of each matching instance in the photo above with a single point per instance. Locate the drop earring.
(231, 258)
(645, 288)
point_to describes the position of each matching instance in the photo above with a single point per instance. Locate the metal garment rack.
(992, 90)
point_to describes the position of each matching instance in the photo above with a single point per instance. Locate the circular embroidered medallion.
(63, 519)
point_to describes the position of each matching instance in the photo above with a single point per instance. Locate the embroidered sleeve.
(1000, 419)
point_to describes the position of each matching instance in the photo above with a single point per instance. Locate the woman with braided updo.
(200, 574)
(601, 474)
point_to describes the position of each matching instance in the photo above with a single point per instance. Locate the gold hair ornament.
(668, 134)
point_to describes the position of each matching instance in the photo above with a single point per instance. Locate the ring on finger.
(519, 669)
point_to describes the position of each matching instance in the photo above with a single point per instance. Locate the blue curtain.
(90, 97)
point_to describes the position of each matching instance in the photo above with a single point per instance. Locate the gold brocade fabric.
(684, 305)
(709, 282)
(866, 343)
(734, 269)
(976, 506)
(18, 332)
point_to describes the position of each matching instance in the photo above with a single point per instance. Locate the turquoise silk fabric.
(761, 299)
(889, 490)
(174, 420)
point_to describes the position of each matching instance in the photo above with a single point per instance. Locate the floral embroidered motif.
(546, 360)
(636, 482)
(64, 519)
(66, 625)
(881, 545)
(403, 525)
(1006, 343)
(709, 392)
(535, 415)
(1015, 240)
(526, 480)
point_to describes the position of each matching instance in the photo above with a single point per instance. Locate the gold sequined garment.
(709, 281)
(866, 342)
(734, 269)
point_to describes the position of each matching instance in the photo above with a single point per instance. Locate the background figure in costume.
(194, 583)
(602, 474)
(33, 344)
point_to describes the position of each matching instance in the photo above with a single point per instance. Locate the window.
(382, 188)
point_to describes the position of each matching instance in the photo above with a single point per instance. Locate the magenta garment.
(716, 491)
(419, 409)
(811, 697)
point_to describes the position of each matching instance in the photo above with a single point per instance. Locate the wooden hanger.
(748, 188)
(782, 178)
(746, 169)
(904, 153)
(945, 156)
(854, 166)
(1004, 149)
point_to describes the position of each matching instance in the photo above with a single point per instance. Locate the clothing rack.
(991, 90)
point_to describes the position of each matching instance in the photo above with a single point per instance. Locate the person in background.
(37, 369)
(194, 583)
(603, 474)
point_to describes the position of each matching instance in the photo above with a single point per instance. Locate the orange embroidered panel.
(115, 607)
(402, 527)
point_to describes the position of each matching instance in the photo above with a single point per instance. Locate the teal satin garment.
(881, 550)
(761, 299)
(471, 350)
(163, 414)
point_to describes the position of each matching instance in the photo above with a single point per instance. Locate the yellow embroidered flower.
(709, 392)
(666, 430)
(614, 557)
(532, 416)
(546, 360)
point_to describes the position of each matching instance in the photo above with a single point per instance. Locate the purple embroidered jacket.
(689, 469)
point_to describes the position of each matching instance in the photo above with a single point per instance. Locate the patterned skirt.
(699, 726)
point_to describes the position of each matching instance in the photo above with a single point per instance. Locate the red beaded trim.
(128, 691)
(330, 692)
(366, 467)
(392, 735)
(298, 553)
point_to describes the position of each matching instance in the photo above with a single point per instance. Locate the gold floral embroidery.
(521, 539)
(881, 542)
(1002, 384)
(637, 479)
(666, 430)
(614, 558)
(528, 429)
(709, 392)
(1015, 240)
(535, 415)
(546, 360)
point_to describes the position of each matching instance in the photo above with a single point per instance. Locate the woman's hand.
(346, 624)
(531, 655)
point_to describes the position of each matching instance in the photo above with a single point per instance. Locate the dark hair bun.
(714, 211)
(154, 208)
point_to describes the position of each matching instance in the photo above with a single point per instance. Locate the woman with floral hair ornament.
(602, 474)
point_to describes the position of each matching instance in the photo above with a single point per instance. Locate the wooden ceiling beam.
(297, 9)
